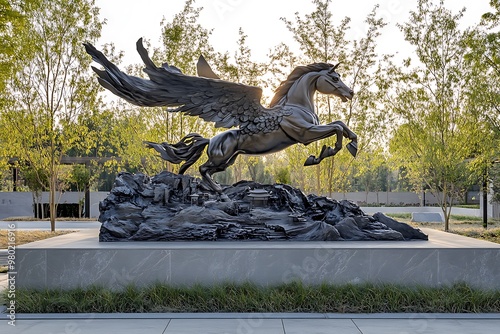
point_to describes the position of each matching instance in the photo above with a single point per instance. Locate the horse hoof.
(311, 161)
(352, 147)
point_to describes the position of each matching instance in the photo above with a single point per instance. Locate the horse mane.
(298, 72)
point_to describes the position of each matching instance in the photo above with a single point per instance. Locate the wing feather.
(227, 104)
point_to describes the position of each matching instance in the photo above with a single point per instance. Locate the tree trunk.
(318, 180)
(446, 207)
(35, 204)
(331, 163)
(52, 201)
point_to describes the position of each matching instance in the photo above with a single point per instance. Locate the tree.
(80, 177)
(12, 23)
(484, 97)
(183, 41)
(494, 174)
(242, 69)
(36, 181)
(53, 87)
(438, 133)
(372, 173)
(322, 41)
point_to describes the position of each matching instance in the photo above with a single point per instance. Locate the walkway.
(45, 225)
(254, 323)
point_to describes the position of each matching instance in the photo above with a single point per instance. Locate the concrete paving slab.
(254, 325)
(320, 326)
(88, 326)
(427, 326)
(89, 239)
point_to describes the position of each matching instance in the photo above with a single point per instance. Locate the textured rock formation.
(163, 208)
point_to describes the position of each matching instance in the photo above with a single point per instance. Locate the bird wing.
(227, 104)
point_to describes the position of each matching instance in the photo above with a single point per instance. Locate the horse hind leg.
(209, 168)
(206, 171)
(221, 154)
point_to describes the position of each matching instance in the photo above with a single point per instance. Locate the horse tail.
(188, 149)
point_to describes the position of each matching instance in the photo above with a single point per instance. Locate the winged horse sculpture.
(289, 119)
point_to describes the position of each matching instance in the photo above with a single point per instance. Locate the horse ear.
(334, 68)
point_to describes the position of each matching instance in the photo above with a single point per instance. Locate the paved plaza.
(244, 323)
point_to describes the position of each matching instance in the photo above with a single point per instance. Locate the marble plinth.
(79, 260)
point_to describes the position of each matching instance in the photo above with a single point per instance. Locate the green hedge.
(293, 297)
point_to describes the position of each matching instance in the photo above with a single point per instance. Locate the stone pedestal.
(79, 260)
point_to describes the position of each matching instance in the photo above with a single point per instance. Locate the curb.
(55, 316)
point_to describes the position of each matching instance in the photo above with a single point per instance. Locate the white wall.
(387, 198)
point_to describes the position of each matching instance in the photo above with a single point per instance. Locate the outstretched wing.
(226, 103)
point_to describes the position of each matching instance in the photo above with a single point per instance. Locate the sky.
(128, 20)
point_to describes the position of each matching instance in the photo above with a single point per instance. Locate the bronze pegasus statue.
(289, 119)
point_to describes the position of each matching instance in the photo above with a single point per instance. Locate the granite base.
(79, 260)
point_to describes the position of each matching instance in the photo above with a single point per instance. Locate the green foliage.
(184, 40)
(320, 40)
(438, 135)
(246, 297)
(283, 176)
(444, 98)
(12, 23)
(484, 97)
(495, 177)
(463, 218)
(52, 86)
(240, 68)
(80, 176)
(35, 179)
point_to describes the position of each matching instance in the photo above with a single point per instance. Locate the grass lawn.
(26, 236)
(292, 297)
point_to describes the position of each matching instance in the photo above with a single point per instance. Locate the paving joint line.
(355, 324)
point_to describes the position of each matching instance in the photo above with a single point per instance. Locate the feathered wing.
(227, 104)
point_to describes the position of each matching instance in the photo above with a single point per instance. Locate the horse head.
(329, 83)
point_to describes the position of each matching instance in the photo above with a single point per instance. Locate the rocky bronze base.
(171, 207)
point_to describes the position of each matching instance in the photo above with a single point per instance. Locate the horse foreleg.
(326, 151)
